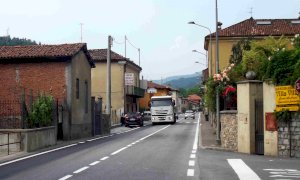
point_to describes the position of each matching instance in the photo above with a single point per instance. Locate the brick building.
(63, 71)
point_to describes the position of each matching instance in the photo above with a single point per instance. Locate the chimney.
(219, 25)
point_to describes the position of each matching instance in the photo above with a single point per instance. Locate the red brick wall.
(38, 77)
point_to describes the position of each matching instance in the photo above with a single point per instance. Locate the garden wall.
(229, 129)
(289, 147)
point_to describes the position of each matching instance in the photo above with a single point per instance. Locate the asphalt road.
(161, 152)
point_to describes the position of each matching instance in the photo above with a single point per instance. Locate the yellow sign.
(287, 98)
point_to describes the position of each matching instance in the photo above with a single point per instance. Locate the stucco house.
(154, 89)
(63, 71)
(125, 83)
(255, 28)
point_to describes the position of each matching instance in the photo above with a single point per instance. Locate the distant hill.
(8, 41)
(182, 81)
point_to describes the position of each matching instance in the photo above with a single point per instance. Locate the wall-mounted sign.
(271, 123)
(151, 90)
(129, 79)
(287, 98)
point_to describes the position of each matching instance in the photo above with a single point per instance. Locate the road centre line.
(65, 177)
(243, 171)
(104, 158)
(38, 154)
(94, 163)
(117, 151)
(193, 156)
(81, 169)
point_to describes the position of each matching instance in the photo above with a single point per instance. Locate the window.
(86, 96)
(77, 88)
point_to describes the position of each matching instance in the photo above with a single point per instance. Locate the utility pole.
(125, 45)
(81, 24)
(108, 79)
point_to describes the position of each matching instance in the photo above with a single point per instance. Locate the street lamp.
(202, 54)
(218, 139)
(210, 67)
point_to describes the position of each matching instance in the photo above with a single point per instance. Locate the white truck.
(162, 109)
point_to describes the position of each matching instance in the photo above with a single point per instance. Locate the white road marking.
(38, 154)
(191, 163)
(94, 163)
(193, 156)
(194, 151)
(243, 171)
(117, 151)
(195, 146)
(104, 158)
(284, 173)
(65, 177)
(190, 172)
(80, 170)
(81, 142)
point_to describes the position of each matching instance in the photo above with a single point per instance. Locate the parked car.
(146, 115)
(189, 114)
(134, 118)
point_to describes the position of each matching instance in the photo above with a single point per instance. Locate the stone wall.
(229, 129)
(284, 147)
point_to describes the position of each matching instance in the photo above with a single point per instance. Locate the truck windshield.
(162, 102)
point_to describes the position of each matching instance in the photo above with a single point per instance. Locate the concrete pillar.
(270, 137)
(247, 92)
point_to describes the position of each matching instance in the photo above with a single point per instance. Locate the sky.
(158, 27)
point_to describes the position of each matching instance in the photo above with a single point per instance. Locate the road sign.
(287, 98)
(129, 79)
(297, 85)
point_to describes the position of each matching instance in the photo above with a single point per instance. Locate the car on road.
(147, 115)
(133, 119)
(189, 114)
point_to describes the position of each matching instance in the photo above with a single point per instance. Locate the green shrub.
(41, 113)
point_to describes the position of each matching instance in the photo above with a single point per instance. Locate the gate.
(97, 117)
(259, 127)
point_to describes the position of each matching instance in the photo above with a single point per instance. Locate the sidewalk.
(208, 135)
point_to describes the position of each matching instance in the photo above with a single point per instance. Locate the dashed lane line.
(94, 163)
(65, 177)
(104, 158)
(190, 172)
(191, 163)
(81, 169)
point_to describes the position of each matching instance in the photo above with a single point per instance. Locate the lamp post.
(203, 55)
(218, 140)
(209, 64)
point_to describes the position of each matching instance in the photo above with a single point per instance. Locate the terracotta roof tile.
(261, 27)
(157, 86)
(101, 54)
(36, 51)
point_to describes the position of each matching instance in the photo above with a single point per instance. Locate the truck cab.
(162, 109)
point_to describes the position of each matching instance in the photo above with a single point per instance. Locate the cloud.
(179, 42)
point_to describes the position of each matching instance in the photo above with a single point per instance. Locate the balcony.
(134, 91)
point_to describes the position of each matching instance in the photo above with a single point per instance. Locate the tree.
(8, 41)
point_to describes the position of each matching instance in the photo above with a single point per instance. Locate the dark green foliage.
(283, 116)
(210, 95)
(8, 41)
(237, 51)
(186, 92)
(282, 68)
(41, 113)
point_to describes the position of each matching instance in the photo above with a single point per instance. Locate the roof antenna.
(251, 12)
(81, 24)
(7, 32)
(299, 16)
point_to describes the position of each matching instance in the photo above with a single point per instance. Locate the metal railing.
(9, 141)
